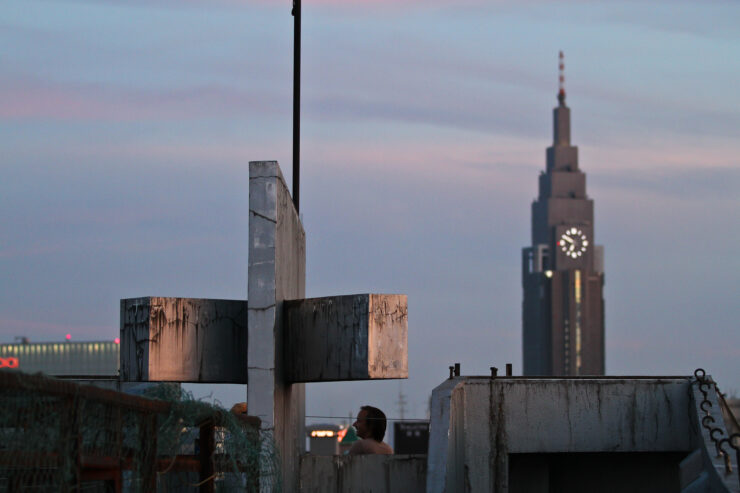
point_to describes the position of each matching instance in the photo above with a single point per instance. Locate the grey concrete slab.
(353, 337)
(183, 340)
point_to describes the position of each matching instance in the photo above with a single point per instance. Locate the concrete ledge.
(355, 337)
(183, 340)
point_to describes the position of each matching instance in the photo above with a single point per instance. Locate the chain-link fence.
(59, 436)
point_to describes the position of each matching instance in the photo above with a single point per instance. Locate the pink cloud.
(30, 98)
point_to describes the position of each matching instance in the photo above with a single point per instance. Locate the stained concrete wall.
(183, 340)
(353, 337)
(440, 453)
(490, 419)
(277, 272)
(363, 474)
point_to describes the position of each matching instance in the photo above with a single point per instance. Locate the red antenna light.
(561, 85)
(117, 340)
(68, 337)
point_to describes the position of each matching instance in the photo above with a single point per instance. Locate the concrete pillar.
(277, 272)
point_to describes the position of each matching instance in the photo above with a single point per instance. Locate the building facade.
(563, 270)
(88, 363)
(63, 359)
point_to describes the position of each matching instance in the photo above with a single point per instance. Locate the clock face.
(573, 242)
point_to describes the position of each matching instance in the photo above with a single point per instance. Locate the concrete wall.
(363, 474)
(608, 472)
(731, 413)
(277, 272)
(440, 454)
(491, 419)
(183, 340)
(353, 337)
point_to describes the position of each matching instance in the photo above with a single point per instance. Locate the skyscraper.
(563, 270)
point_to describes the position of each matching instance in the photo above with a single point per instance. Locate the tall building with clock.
(562, 272)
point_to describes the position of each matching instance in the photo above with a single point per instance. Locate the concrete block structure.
(275, 341)
(529, 435)
(183, 340)
(355, 337)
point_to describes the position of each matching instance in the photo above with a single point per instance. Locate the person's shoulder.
(359, 447)
(385, 448)
(370, 446)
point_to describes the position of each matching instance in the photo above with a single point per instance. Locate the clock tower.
(563, 270)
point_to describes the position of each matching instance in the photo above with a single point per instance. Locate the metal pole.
(296, 102)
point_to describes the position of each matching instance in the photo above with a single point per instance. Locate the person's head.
(370, 423)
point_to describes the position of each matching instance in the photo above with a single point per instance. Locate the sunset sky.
(126, 128)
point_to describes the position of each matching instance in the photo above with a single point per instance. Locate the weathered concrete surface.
(439, 426)
(183, 340)
(489, 419)
(731, 413)
(277, 272)
(354, 337)
(363, 474)
(713, 476)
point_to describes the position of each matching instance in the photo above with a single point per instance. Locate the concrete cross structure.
(277, 340)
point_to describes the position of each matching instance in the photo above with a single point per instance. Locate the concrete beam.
(355, 337)
(183, 340)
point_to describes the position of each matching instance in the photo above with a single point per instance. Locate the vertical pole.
(296, 102)
(207, 444)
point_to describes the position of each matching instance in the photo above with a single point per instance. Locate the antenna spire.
(561, 85)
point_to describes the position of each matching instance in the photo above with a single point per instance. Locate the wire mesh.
(58, 436)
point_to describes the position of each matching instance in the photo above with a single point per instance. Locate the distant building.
(563, 270)
(323, 439)
(98, 359)
(410, 437)
(92, 363)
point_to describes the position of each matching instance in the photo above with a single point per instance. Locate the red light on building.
(68, 337)
(9, 362)
(117, 340)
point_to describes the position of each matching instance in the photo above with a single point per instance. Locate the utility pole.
(401, 403)
(296, 103)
